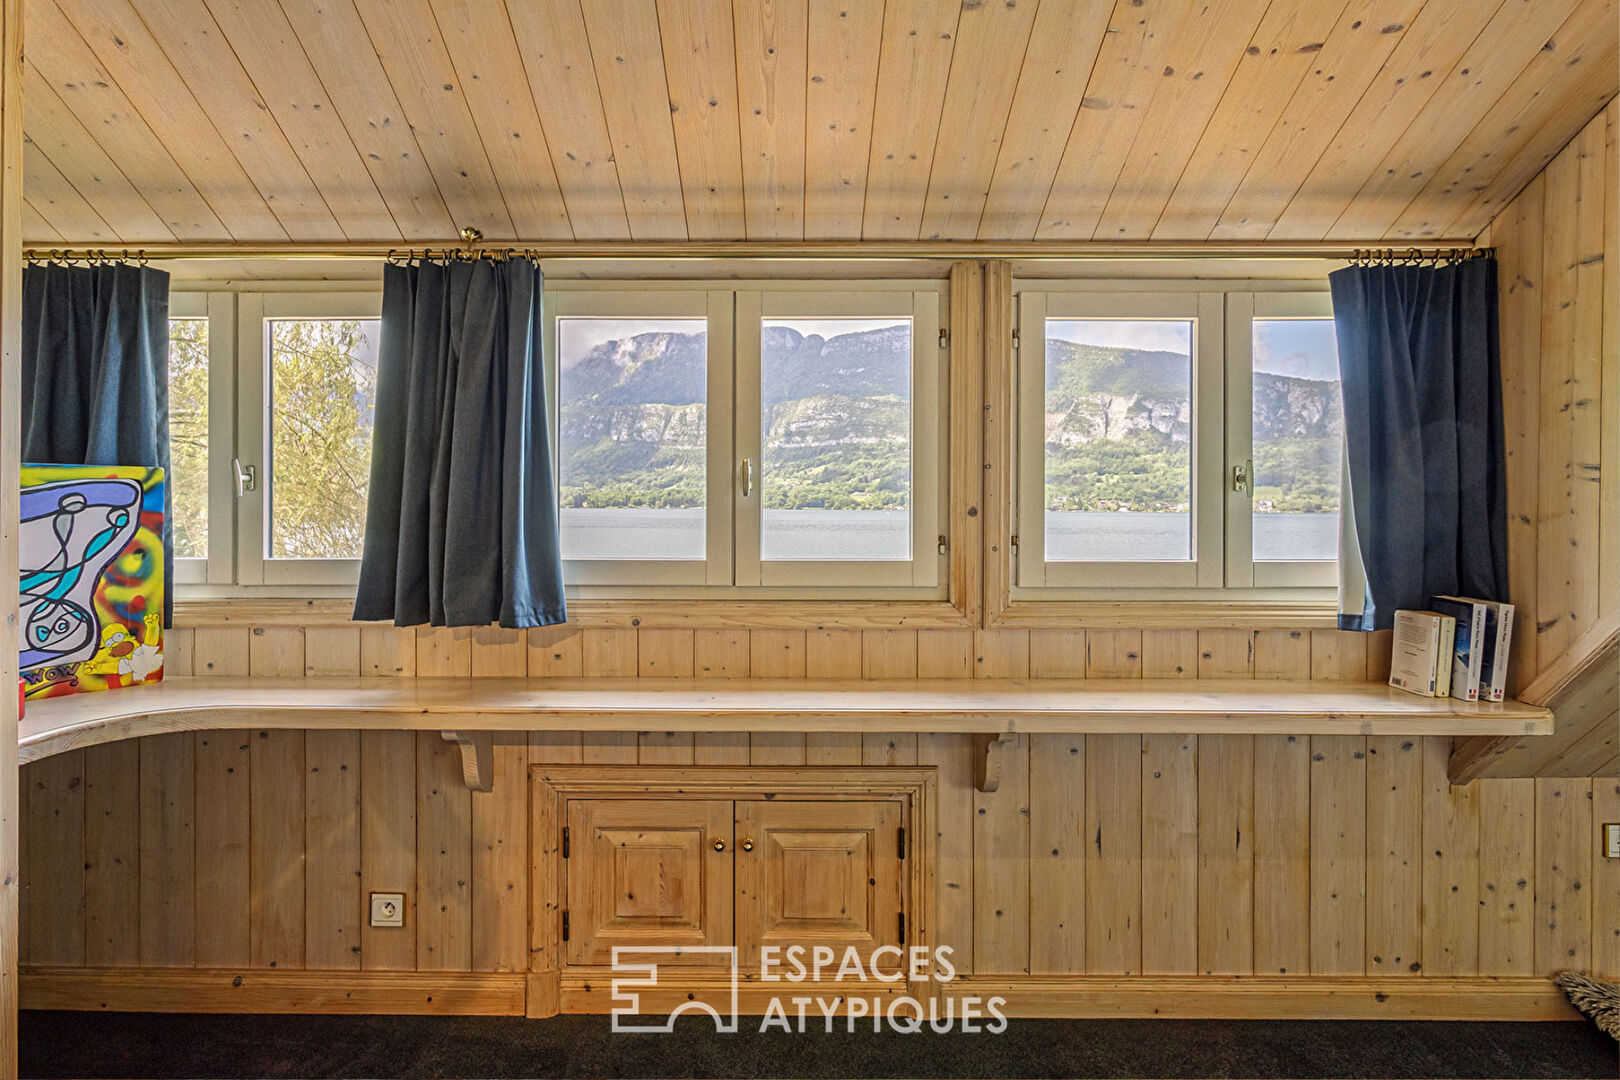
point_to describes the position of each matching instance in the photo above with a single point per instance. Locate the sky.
(1303, 348)
(578, 335)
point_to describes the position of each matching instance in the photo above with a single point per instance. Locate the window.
(188, 433)
(784, 438)
(1175, 441)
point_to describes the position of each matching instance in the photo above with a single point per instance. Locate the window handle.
(747, 477)
(247, 477)
(1243, 477)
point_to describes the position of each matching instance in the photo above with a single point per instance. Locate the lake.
(885, 534)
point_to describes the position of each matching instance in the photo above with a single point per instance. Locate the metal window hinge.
(943, 546)
(1015, 337)
(565, 841)
(1013, 540)
(944, 337)
(902, 928)
(901, 843)
(565, 924)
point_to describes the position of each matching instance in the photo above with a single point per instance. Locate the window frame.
(927, 416)
(1242, 569)
(716, 308)
(1032, 570)
(1225, 394)
(255, 310)
(218, 310)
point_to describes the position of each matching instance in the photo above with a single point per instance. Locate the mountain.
(836, 425)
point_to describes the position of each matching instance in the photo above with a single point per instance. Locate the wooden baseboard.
(548, 993)
(207, 990)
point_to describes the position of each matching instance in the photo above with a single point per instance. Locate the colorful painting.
(91, 578)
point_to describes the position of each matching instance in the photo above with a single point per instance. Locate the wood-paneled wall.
(1099, 854)
(1559, 247)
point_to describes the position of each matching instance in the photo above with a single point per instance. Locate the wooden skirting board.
(508, 993)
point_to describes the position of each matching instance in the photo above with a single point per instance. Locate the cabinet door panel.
(819, 873)
(645, 872)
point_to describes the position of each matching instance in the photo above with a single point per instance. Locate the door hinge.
(565, 924)
(565, 841)
(902, 928)
(901, 844)
(944, 337)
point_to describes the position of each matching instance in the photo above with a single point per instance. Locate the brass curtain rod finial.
(472, 234)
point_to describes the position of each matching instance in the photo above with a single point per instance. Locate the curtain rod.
(780, 249)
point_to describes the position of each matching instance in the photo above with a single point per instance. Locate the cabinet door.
(646, 872)
(818, 873)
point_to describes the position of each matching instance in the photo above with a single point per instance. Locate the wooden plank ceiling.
(402, 120)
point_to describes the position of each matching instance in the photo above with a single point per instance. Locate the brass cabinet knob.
(719, 845)
(748, 845)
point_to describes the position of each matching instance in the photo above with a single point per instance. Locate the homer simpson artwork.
(91, 578)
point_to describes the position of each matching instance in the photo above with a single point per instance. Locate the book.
(1498, 657)
(1421, 657)
(1469, 649)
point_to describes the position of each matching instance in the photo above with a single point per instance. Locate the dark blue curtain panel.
(461, 520)
(1422, 378)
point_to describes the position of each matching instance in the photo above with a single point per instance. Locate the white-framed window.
(774, 439)
(786, 438)
(1176, 441)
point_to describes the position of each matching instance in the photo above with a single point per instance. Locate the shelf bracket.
(990, 753)
(477, 756)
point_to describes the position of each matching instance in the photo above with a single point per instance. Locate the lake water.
(885, 534)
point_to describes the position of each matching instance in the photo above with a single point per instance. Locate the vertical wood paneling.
(1563, 874)
(1057, 854)
(1338, 858)
(388, 780)
(443, 858)
(1282, 654)
(945, 654)
(220, 650)
(1113, 854)
(955, 827)
(112, 836)
(498, 652)
(771, 55)
(500, 860)
(1395, 804)
(442, 652)
(1507, 874)
(276, 650)
(224, 879)
(168, 851)
(56, 843)
(276, 849)
(1170, 654)
(1226, 854)
(1518, 236)
(1170, 783)
(332, 650)
(1450, 868)
(1057, 654)
(1113, 654)
(1605, 882)
(1282, 854)
(1001, 897)
(844, 42)
(332, 840)
(555, 652)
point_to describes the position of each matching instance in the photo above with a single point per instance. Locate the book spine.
(1504, 645)
(1443, 656)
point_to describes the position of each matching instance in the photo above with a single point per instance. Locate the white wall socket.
(387, 909)
(1611, 840)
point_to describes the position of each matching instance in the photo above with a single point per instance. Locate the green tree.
(324, 385)
(188, 436)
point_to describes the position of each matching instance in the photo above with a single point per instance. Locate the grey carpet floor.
(63, 1044)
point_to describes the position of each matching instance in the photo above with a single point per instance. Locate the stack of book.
(1459, 648)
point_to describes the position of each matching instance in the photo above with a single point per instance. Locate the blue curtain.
(95, 374)
(1423, 433)
(461, 520)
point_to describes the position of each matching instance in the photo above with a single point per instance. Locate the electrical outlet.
(387, 909)
(1611, 839)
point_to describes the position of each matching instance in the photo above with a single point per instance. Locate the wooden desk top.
(976, 706)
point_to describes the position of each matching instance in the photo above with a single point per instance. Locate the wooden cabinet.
(648, 872)
(818, 873)
(682, 872)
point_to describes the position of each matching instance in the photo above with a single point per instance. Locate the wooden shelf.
(979, 707)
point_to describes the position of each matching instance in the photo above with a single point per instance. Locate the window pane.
(1118, 440)
(188, 437)
(835, 426)
(1298, 439)
(323, 389)
(632, 437)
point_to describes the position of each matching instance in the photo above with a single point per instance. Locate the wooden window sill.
(977, 707)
